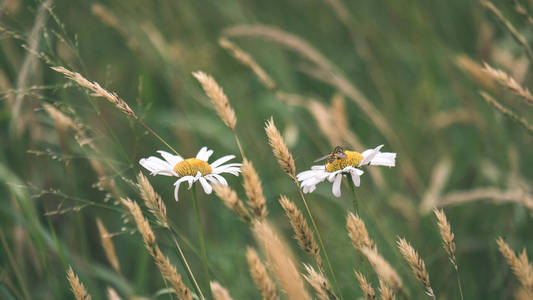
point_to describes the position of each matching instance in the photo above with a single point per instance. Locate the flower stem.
(183, 261)
(319, 238)
(354, 201)
(458, 279)
(202, 241)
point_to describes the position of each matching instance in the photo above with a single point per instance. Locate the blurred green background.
(415, 61)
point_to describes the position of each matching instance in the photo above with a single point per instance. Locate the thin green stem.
(354, 199)
(238, 143)
(319, 237)
(202, 241)
(183, 261)
(155, 134)
(458, 280)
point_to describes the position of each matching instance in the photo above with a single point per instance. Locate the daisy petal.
(170, 158)
(201, 153)
(156, 166)
(222, 160)
(177, 186)
(369, 154)
(220, 179)
(336, 188)
(387, 159)
(207, 187)
(355, 178)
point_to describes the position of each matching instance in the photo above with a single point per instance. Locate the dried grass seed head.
(78, 289)
(416, 263)
(366, 287)
(152, 200)
(280, 261)
(383, 269)
(107, 244)
(231, 200)
(259, 273)
(254, 190)
(302, 231)
(279, 148)
(218, 97)
(358, 233)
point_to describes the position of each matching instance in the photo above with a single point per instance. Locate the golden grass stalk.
(167, 270)
(302, 231)
(509, 26)
(219, 292)
(509, 82)
(280, 261)
(254, 190)
(417, 265)
(507, 112)
(386, 292)
(519, 265)
(259, 273)
(112, 294)
(475, 70)
(447, 236)
(108, 246)
(248, 61)
(76, 286)
(366, 287)
(152, 200)
(218, 97)
(319, 283)
(439, 176)
(383, 269)
(358, 233)
(97, 90)
(231, 200)
(280, 149)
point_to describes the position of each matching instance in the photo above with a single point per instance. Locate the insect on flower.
(342, 162)
(192, 169)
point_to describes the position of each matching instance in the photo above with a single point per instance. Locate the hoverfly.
(337, 153)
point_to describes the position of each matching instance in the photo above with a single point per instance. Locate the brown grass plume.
(280, 149)
(262, 280)
(218, 97)
(447, 236)
(97, 90)
(231, 200)
(319, 283)
(383, 269)
(302, 231)
(152, 200)
(254, 190)
(281, 262)
(167, 270)
(366, 287)
(417, 265)
(219, 292)
(519, 265)
(79, 291)
(358, 233)
(108, 246)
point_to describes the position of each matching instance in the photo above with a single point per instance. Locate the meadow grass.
(87, 89)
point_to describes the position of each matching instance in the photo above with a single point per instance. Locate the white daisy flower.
(192, 169)
(343, 162)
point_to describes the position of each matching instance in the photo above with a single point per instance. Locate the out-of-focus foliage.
(414, 61)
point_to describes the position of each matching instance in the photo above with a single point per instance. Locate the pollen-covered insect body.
(337, 153)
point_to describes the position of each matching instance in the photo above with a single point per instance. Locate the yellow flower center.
(191, 166)
(352, 159)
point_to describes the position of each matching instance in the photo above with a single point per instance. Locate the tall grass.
(445, 85)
